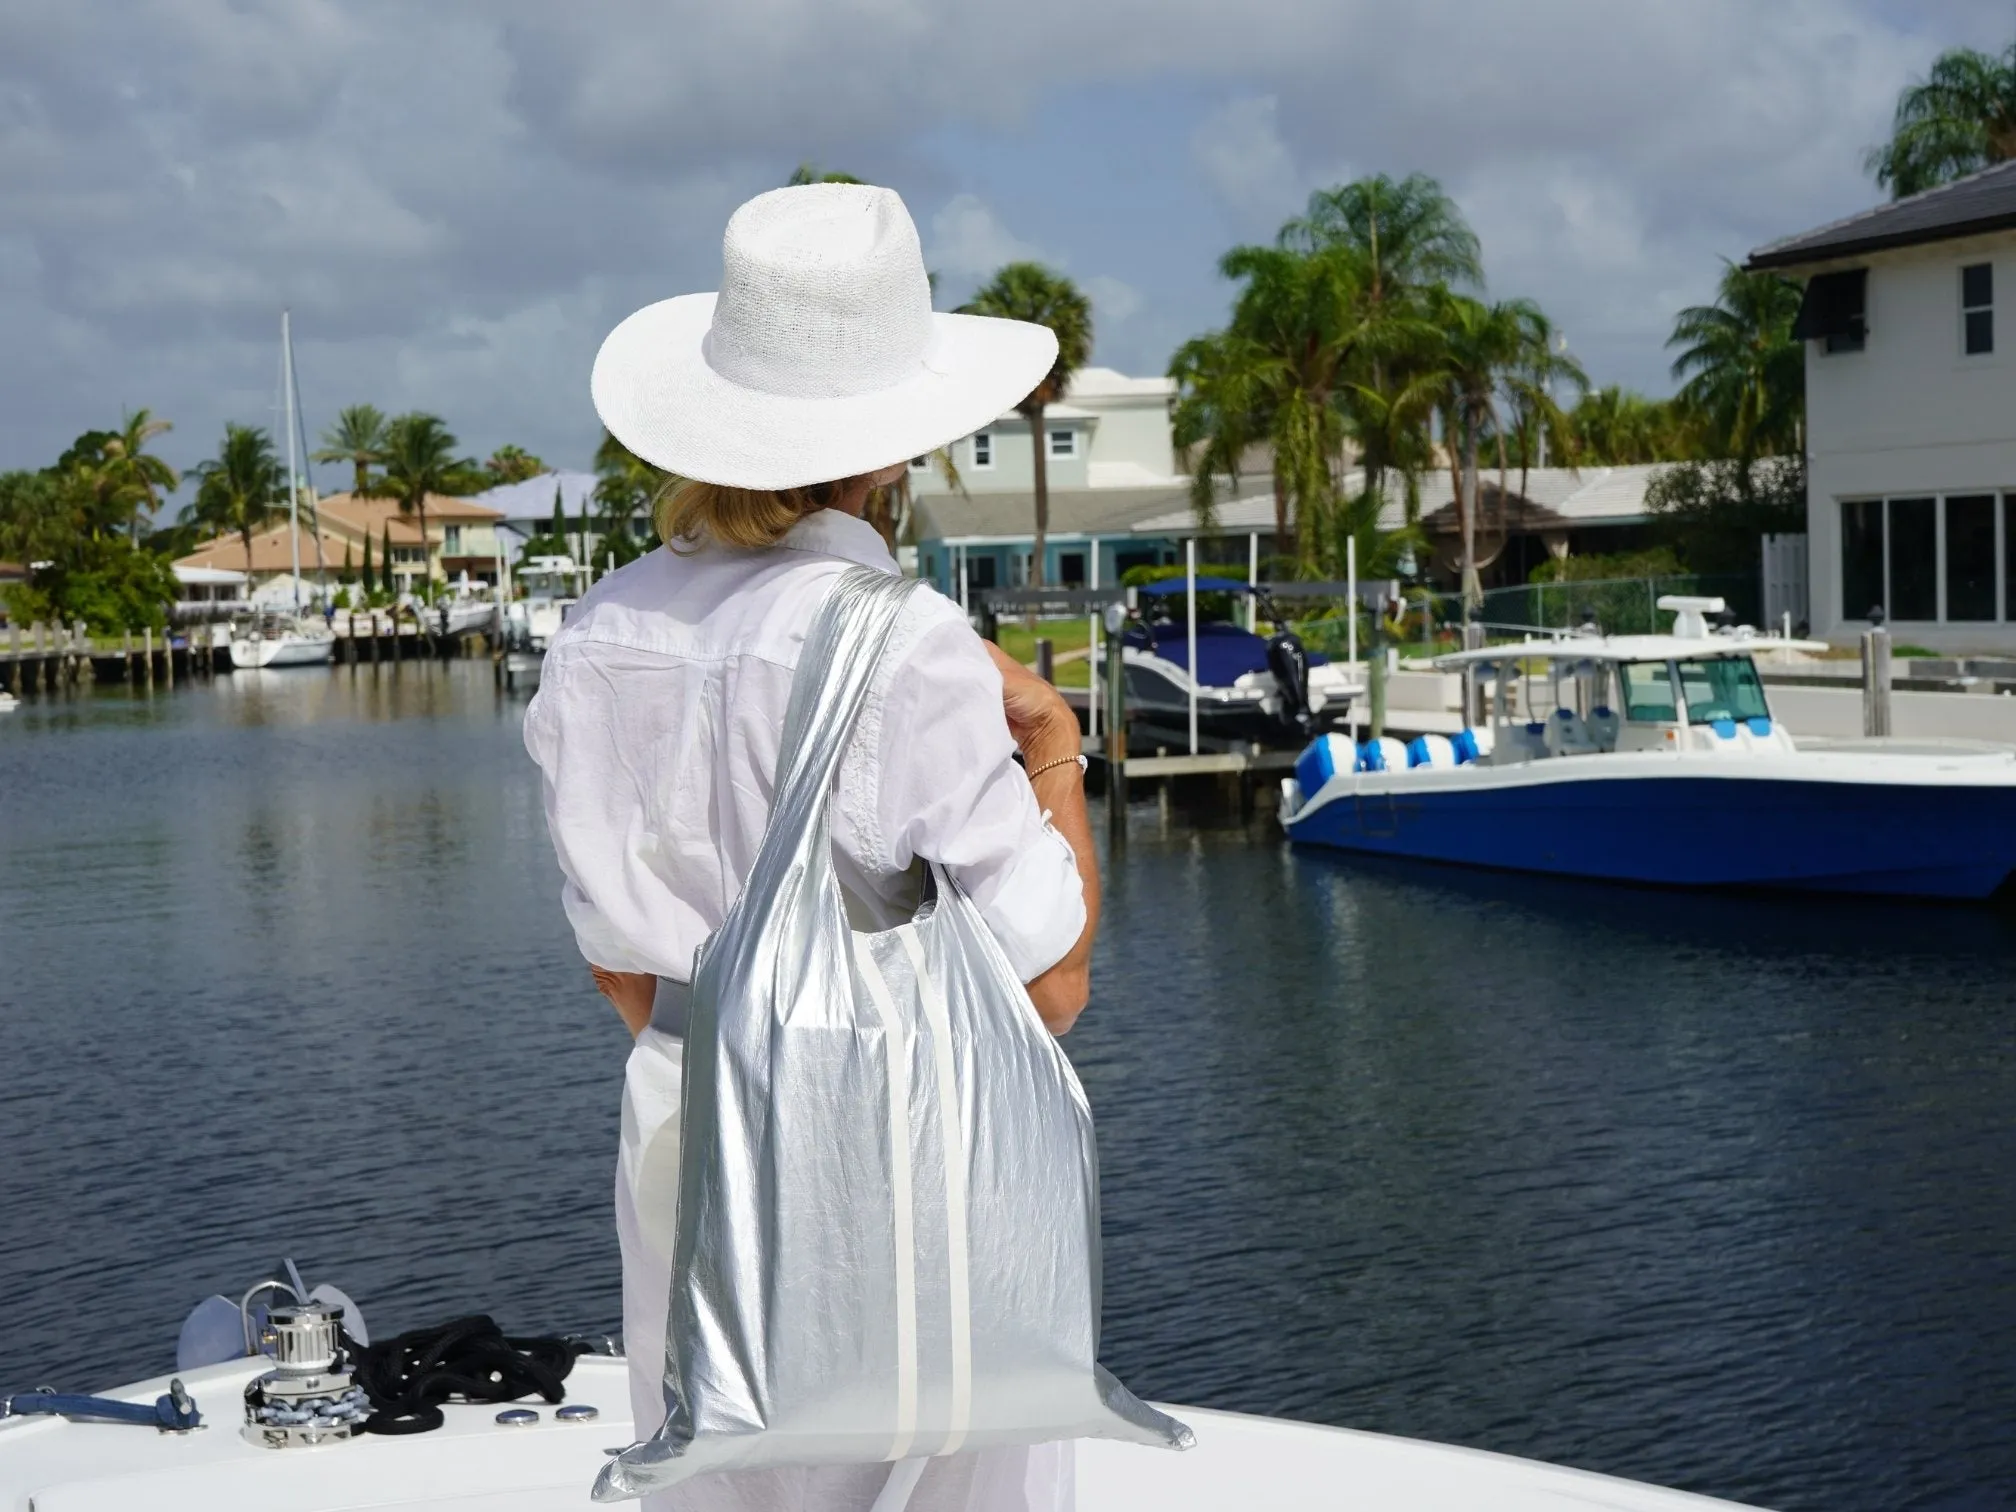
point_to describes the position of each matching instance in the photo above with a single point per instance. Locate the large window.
(1914, 559)
(1949, 559)
(1648, 692)
(2009, 556)
(1861, 557)
(1725, 688)
(1970, 557)
(1977, 309)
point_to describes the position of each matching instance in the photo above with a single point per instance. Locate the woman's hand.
(1039, 719)
(629, 992)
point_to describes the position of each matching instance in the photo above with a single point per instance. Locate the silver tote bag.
(888, 1226)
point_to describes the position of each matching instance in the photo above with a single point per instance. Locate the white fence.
(1785, 581)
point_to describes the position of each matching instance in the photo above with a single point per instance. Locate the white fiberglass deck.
(474, 1465)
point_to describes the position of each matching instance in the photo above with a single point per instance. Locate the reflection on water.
(1714, 1192)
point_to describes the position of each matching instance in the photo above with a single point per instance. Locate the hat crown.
(823, 293)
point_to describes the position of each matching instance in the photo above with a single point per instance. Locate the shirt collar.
(832, 533)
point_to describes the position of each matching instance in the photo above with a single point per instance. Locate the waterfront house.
(525, 510)
(1110, 462)
(461, 539)
(206, 593)
(1911, 414)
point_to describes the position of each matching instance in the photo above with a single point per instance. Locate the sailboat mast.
(293, 466)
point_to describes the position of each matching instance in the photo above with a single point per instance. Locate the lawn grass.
(1019, 641)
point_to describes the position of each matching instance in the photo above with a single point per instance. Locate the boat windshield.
(1648, 692)
(1726, 687)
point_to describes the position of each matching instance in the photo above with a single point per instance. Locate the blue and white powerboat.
(1247, 687)
(1659, 761)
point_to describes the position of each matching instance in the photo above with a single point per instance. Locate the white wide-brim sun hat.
(819, 359)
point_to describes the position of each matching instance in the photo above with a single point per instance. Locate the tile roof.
(1984, 201)
(271, 552)
(439, 506)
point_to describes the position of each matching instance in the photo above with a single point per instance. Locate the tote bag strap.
(843, 651)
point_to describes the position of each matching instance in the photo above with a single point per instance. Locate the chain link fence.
(1433, 622)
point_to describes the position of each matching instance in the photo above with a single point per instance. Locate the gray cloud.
(458, 199)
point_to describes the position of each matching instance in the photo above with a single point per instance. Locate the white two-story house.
(1110, 463)
(1911, 414)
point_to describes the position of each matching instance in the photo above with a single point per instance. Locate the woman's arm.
(1046, 730)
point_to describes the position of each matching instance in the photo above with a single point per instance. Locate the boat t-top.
(1657, 759)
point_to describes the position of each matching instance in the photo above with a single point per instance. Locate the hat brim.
(655, 391)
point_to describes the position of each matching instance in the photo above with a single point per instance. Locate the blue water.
(1719, 1193)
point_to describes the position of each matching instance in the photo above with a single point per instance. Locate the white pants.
(1042, 1479)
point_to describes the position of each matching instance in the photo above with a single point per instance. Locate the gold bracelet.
(1035, 772)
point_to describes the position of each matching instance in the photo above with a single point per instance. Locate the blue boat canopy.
(1225, 652)
(1167, 586)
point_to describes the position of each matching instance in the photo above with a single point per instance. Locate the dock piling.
(1876, 676)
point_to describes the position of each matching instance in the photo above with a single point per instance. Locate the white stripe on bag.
(906, 1218)
(955, 1191)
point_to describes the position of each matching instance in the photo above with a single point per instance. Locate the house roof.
(1554, 497)
(1073, 511)
(439, 506)
(271, 552)
(205, 577)
(533, 498)
(1110, 383)
(1984, 201)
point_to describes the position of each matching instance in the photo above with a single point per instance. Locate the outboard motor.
(1289, 662)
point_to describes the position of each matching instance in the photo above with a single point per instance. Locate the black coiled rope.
(408, 1378)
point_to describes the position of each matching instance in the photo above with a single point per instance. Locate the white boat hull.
(471, 1464)
(287, 650)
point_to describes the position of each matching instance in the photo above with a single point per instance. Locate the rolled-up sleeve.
(950, 791)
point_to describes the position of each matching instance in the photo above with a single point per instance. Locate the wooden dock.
(38, 659)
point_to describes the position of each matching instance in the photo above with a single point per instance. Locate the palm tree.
(1540, 365)
(1480, 347)
(241, 491)
(513, 464)
(1959, 118)
(1615, 427)
(357, 437)
(1223, 406)
(1029, 291)
(135, 467)
(1410, 233)
(809, 172)
(419, 459)
(1412, 241)
(626, 485)
(1744, 374)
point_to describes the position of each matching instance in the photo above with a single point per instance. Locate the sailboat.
(273, 639)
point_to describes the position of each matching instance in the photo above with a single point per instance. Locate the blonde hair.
(690, 514)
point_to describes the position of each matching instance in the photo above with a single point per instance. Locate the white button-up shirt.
(657, 724)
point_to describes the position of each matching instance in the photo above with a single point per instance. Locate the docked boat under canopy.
(1657, 759)
(1248, 687)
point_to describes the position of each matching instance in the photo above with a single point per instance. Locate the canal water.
(1719, 1193)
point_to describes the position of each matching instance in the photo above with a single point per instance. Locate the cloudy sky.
(459, 199)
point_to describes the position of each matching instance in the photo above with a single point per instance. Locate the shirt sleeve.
(951, 791)
(601, 943)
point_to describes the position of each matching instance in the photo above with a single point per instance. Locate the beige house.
(461, 538)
